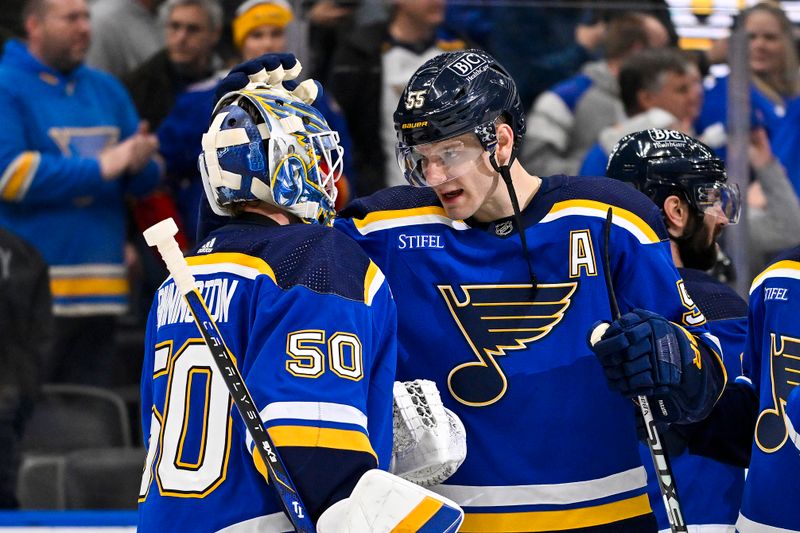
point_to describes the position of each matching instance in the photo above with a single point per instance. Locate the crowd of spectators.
(105, 101)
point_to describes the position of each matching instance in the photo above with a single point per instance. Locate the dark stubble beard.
(694, 247)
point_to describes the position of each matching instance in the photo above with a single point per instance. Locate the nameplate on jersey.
(497, 320)
(415, 242)
(217, 293)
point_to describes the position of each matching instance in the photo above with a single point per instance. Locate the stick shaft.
(162, 236)
(666, 481)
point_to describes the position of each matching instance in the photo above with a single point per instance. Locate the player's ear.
(676, 214)
(505, 142)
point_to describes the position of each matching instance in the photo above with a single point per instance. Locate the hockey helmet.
(452, 94)
(661, 162)
(262, 146)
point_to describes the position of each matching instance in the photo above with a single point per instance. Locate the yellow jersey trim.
(556, 520)
(64, 288)
(787, 268)
(630, 221)
(18, 175)
(394, 218)
(340, 439)
(248, 261)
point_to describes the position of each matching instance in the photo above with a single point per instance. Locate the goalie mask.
(261, 146)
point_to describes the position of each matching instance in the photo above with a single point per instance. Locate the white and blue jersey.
(549, 445)
(311, 323)
(772, 362)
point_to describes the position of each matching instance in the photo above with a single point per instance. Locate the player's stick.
(666, 481)
(162, 236)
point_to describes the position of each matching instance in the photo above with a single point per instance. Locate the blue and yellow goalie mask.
(262, 146)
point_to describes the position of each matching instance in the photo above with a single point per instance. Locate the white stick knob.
(162, 236)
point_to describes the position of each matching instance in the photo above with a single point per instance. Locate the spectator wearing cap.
(260, 28)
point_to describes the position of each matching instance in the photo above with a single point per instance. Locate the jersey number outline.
(190, 370)
(345, 354)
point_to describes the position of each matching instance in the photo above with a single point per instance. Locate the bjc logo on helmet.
(467, 64)
(663, 135)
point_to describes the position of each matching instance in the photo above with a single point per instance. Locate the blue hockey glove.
(643, 353)
(791, 413)
(275, 72)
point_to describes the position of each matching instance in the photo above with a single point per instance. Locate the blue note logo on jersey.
(784, 365)
(497, 319)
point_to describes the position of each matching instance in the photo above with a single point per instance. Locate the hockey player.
(689, 185)
(772, 362)
(499, 318)
(311, 323)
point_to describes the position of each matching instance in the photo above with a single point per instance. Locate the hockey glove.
(643, 353)
(430, 442)
(275, 72)
(791, 414)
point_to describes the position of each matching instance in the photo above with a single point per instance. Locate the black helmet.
(455, 93)
(664, 162)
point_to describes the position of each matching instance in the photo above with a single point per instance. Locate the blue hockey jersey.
(52, 193)
(549, 445)
(710, 491)
(311, 323)
(772, 361)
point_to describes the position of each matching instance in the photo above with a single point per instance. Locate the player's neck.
(499, 205)
(676, 254)
(278, 215)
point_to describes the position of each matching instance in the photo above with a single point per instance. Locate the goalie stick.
(162, 236)
(666, 481)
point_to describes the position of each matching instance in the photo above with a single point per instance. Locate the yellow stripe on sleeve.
(340, 439)
(18, 175)
(248, 261)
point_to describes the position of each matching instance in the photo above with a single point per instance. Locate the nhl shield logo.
(504, 228)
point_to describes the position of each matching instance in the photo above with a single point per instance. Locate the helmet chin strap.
(505, 173)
